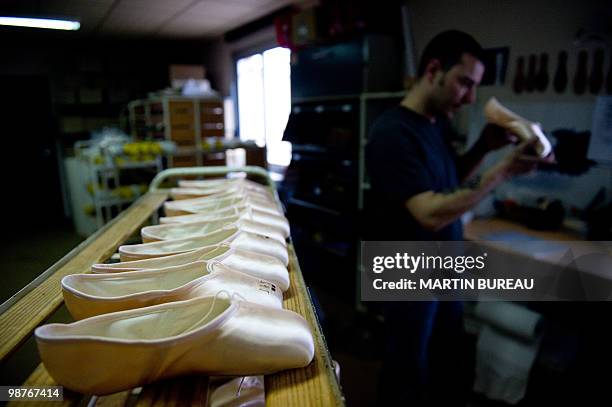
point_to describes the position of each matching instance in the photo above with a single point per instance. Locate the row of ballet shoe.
(199, 295)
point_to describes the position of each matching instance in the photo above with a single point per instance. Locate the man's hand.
(491, 138)
(520, 161)
(436, 210)
(494, 137)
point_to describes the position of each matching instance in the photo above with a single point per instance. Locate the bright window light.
(40, 23)
(251, 116)
(264, 101)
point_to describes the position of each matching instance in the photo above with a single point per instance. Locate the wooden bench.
(314, 385)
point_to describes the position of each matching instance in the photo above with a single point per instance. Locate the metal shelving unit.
(102, 172)
(365, 121)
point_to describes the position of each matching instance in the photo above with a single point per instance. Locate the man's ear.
(433, 67)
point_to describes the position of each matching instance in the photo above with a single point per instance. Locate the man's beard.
(437, 106)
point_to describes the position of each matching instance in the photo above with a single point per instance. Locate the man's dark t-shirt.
(406, 154)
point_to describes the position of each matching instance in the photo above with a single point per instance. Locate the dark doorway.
(30, 173)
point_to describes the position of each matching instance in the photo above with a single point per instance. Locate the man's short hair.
(448, 48)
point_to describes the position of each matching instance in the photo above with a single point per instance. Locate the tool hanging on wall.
(541, 82)
(580, 79)
(501, 61)
(560, 82)
(597, 73)
(518, 85)
(531, 74)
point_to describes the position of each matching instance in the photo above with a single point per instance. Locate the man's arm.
(435, 210)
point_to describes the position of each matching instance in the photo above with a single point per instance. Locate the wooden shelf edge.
(315, 384)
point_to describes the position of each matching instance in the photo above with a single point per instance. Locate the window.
(264, 101)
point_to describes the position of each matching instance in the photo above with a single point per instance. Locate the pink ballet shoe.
(206, 204)
(88, 295)
(184, 230)
(232, 234)
(243, 211)
(206, 335)
(254, 264)
(497, 114)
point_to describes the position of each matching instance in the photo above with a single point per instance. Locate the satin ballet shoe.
(207, 335)
(214, 183)
(254, 264)
(248, 391)
(184, 230)
(88, 295)
(193, 189)
(239, 239)
(178, 194)
(203, 205)
(207, 183)
(209, 215)
(181, 193)
(238, 191)
(243, 211)
(499, 115)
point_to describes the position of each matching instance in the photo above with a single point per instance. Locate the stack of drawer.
(188, 122)
(182, 123)
(211, 119)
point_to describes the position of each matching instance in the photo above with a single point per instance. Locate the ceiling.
(148, 18)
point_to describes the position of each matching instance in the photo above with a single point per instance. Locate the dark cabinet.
(371, 63)
(331, 87)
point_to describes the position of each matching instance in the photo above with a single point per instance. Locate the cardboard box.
(304, 27)
(184, 72)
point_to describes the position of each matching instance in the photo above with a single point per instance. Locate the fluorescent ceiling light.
(40, 23)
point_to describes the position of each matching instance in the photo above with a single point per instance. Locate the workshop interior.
(190, 186)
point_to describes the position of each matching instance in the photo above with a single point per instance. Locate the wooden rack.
(314, 385)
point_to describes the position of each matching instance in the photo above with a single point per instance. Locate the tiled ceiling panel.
(206, 16)
(127, 18)
(213, 17)
(154, 18)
